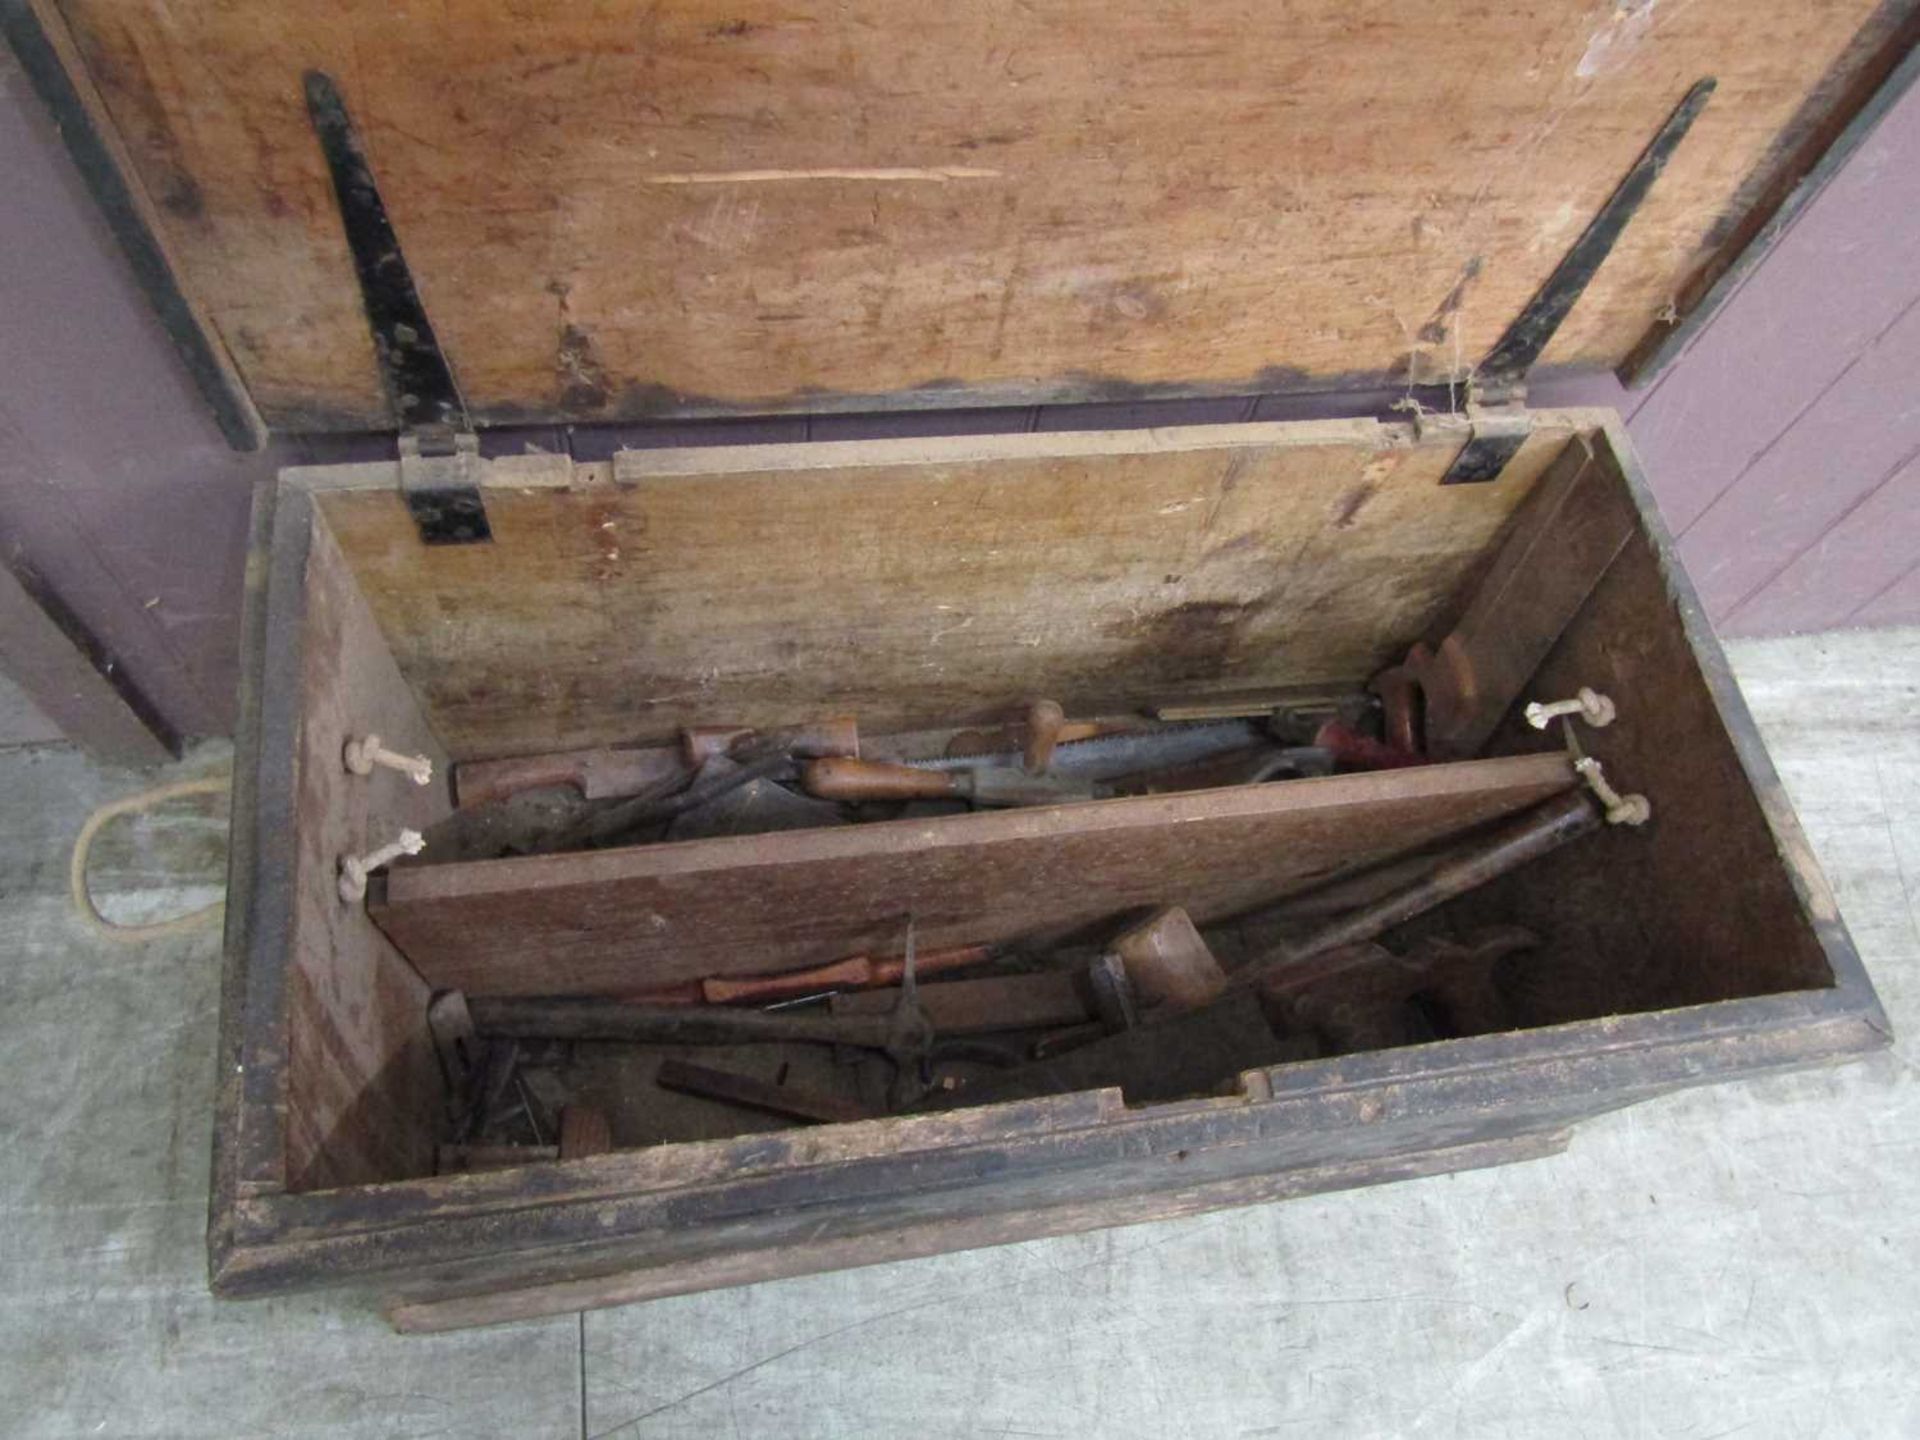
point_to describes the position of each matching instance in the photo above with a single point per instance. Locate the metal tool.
(589, 1018)
(1108, 757)
(1539, 832)
(855, 972)
(910, 1037)
(754, 1093)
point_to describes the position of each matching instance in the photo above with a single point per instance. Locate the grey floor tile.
(106, 1326)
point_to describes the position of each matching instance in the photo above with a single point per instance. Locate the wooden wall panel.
(362, 1084)
(1781, 442)
(1850, 442)
(1852, 573)
(922, 583)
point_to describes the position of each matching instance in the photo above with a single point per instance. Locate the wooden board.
(628, 209)
(921, 583)
(1715, 911)
(362, 1087)
(617, 920)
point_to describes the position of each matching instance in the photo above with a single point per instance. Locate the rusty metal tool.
(1189, 1053)
(753, 1093)
(1538, 832)
(974, 1007)
(1360, 997)
(614, 772)
(588, 1018)
(1108, 757)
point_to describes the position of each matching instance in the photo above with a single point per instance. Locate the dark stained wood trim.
(45, 51)
(1878, 87)
(423, 1312)
(259, 949)
(1373, 1112)
(77, 684)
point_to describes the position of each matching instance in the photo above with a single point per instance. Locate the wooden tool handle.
(845, 779)
(854, 971)
(1044, 719)
(835, 735)
(480, 782)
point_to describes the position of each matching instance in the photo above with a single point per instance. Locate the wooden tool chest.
(436, 224)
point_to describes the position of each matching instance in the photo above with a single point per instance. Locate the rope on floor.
(83, 845)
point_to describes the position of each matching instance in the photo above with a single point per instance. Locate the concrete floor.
(1736, 1261)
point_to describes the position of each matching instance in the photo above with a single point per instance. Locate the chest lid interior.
(623, 211)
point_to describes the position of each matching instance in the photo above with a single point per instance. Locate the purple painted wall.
(115, 486)
(1785, 441)
(1784, 444)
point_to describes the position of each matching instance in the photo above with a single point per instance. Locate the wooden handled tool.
(856, 972)
(606, 773)
(855, 781)
(1168, 963)
(1044, 721)
(836, 735)
(1447, 702)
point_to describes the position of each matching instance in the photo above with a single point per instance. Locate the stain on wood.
(631, 210)
(615, 920)
(920, 583)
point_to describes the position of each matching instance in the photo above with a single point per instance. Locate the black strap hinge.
(439, 453)
(440, 481)
(1496, 412)
(1497, 426)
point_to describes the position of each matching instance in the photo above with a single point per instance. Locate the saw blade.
(1106, 757)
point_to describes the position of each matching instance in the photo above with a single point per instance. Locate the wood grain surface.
(362, 1085)
(920, 583)
(627, 209)
(615, 920)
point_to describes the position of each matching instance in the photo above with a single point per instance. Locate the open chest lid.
(623, 211)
